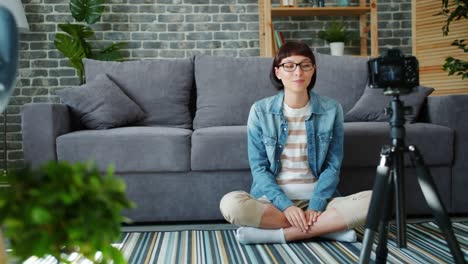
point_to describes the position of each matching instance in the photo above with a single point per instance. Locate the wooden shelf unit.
(266, 12)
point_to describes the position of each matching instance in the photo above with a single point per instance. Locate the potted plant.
(336, 35)
(63, 208)
(73, 43)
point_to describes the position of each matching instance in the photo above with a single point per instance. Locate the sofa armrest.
(452, 111)
(448, 110)
(42, 123)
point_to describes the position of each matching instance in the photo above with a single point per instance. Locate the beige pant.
(240, 208)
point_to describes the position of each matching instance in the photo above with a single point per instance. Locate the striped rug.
(425, 245)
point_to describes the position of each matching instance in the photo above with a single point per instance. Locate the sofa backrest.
(342, 78)
(227, 87)
(161, 87)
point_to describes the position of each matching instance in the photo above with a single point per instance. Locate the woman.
(295, 148)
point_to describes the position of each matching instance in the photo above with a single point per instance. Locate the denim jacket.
(267, 133)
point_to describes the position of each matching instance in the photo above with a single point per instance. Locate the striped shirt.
(296, 178)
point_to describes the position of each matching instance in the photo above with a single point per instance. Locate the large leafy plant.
(74, 44)
(337, 32)
(458, 9)
(62, 208)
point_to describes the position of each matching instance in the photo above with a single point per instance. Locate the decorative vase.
(337, 48)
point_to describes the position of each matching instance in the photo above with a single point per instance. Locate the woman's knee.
(230, 201)
(354, 208)
(240, 208)
(365, 199)
(361, 205)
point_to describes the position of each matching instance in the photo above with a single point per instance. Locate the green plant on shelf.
(74, 44)
(336, 32)
(61, 208)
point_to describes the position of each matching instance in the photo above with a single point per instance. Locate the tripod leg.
(434, 201)
(374, 215)
(398, 177)
(382, 249)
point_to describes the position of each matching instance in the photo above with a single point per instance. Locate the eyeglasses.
(291, 66)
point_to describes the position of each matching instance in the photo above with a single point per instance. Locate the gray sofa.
(190, 149)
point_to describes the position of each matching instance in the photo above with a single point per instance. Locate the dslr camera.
(395, 73)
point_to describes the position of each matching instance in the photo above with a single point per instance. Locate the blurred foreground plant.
(62, 208)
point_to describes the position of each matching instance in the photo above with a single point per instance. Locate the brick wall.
(166, 29)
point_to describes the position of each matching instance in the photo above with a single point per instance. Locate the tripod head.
(397, 111)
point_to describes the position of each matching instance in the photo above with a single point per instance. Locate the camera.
(395, 73)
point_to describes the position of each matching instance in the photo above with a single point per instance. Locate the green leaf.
(456, 67)
(71, 49)
(73, 45)
(111, 53)
(2, 203)
(117, 256)
(77, 31)
(13, 223)
(87, 10)
(39, 215)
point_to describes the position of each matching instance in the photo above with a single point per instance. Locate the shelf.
(319, 11)
(367, 25)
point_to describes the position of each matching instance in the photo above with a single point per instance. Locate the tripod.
(388, 186)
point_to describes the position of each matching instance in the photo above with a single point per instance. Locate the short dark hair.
(291, 48)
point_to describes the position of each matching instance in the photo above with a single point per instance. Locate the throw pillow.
(371, 105)
(161, 87)
(100, 104)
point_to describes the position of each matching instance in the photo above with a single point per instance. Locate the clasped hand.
(301, 219)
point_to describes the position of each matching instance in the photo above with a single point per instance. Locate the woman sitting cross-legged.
(295, 148)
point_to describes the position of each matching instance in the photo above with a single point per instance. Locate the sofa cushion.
(220, 148)
(342, 78)
(100, 104)
(368, 137)
(225, 148)
(372, 103)
(130, 149)
(160, 87)
(227, 88)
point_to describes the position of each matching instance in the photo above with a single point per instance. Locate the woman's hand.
(312, 216)
(296, 218)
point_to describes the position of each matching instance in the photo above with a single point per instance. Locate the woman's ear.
(277, 73)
